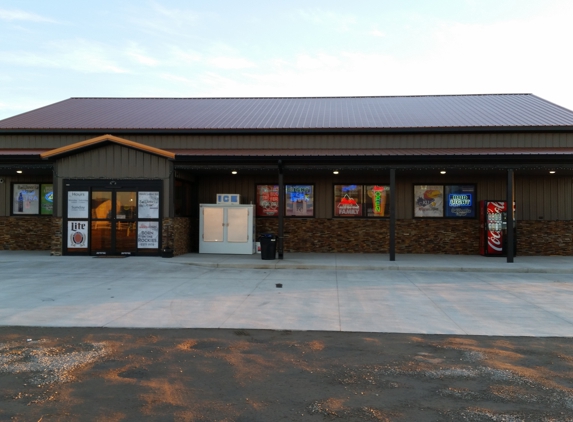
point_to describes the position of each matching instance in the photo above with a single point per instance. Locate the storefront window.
(267, 197)
(47, 199)
(32, 199)
(299, 200)
(460, 201)
(361, 201)
(348, 200)
(451, 201)
(376, 201)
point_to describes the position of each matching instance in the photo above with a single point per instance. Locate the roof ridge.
(299, 97)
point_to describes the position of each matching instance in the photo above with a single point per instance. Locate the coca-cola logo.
(494, 241)
(495, 207)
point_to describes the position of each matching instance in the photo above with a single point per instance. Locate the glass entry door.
(113, 222)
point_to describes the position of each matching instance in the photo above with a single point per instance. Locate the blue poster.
(460, 201)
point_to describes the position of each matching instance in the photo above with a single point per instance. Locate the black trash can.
(268, 245)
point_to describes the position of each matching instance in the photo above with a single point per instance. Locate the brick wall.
(26, 233)
(371, 236)
(424, 236)
(543, 238)
(455, 237)
(177, 234)
(56, 237)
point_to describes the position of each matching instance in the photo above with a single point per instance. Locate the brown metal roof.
(181, 153)
(4, 151)
(294, 114)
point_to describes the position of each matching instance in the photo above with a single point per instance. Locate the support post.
(510, 216)
(280, 245)
(392, 215)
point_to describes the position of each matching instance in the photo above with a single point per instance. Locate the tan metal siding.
(115, 162)
(478, 140)
(541, 196)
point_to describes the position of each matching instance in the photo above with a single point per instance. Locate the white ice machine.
(227, 229)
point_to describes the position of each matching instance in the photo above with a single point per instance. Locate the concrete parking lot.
(362, 293)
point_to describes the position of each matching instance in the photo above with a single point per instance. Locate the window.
(361, 201)
(450, 201)
(32, 199)
(299, 200)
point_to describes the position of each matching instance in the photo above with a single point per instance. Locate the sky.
(58, 49)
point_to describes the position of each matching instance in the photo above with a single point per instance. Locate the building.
(358, 174)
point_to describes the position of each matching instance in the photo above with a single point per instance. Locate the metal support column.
(392, 215)
(280, 246)
(510, 216)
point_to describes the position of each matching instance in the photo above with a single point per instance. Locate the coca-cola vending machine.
(493, 228)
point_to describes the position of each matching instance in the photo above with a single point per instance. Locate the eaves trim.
(68, 149)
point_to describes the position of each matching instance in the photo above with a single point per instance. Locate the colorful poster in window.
(77, 234)
(348, 200)
(377, 201)
(148, 235)
(26, 199)
(299, 200)
(428, 201)
(47, 199)
(148, 205)
(78, 204)
(267, 200)
(460, 201)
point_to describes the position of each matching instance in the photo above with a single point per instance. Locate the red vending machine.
(493, 228)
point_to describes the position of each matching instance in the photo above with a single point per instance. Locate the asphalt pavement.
(425, 294)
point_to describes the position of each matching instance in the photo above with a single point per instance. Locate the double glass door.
(113, 222)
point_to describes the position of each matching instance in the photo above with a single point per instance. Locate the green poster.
(47, 200)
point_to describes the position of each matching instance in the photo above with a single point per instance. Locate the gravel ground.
(225, 375)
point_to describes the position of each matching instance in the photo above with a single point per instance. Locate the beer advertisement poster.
(299, 200)
(348, 200)
(428, 201)
(267, 200)
(148, 235)
(47, 200)
(148, 205)
(77, 234)
(460, 201)
(78, 204)
(26, 199)
(377, 200)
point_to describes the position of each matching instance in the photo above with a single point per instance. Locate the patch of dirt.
(52, 374)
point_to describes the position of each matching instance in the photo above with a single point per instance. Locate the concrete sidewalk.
(437, 295)
(349, 261)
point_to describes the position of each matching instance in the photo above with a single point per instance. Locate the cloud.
(338, 21)
(138, 55)
(20, 15)
(166, 21)
(179, 55)
(78, 55)
(377, 33)
(230, 62)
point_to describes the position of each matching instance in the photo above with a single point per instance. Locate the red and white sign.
(77, 234)
(494, 227)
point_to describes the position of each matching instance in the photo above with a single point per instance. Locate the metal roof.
(498, 111)
(373, 152)
(181, 154)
